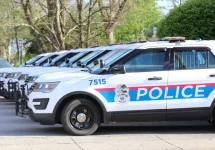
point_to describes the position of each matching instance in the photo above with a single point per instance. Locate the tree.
(194, 19)
(137, 19)
(110, 13)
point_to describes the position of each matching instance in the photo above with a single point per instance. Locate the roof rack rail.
(114, 44)
(136, 42)
(94, 46)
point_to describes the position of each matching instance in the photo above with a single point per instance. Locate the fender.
(106, 115)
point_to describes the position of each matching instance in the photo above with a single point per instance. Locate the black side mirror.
(95, 62)
(102, 63)
(78, 63)
(119, 69)
(33, 63)
(67, 61)
(83, 65)
(25, 63)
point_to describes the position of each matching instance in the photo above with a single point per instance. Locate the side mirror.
(119, 69)
(102, 63)
(78, 63)
(25, 63)
(67, 61)
(83, 65)
(34, 64)
(49, 60)
(95, 62)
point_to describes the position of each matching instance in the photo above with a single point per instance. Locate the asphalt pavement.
(22, 133)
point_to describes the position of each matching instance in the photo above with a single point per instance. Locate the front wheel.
(80, 117)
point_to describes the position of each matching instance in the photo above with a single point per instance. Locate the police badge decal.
(122, 94)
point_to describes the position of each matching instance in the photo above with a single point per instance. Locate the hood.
(63, 76)
(57, 71)
(46, 71)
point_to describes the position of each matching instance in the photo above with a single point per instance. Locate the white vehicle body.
(163, 82)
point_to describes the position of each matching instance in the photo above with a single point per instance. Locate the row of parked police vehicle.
(168, 80)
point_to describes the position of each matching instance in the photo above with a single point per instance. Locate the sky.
(166, 4)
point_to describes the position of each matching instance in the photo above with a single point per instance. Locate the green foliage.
(137, 20)
(194, 19)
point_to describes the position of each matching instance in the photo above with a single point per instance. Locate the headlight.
(17, 75)
(33, 79)
(45, 87)
(5, 74)
(23, 77)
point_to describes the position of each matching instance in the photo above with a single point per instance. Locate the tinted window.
(111, 59)
(211, 60)
(190, 58)
(4, 64)
(33, 59)
(146, 60)
(75, 58)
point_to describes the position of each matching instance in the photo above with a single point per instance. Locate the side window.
(193, 58)
(211, 60)
(146, 60)
(53, 56)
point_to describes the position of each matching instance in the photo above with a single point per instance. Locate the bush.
(194, 19)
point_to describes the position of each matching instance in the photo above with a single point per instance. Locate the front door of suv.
(138, 95)
(190, 83)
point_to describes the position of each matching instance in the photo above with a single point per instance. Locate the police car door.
(191, 83)
(138, 95)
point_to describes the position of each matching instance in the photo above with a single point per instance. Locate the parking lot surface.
(21, 133)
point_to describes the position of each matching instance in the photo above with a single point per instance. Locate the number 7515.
(97, 81)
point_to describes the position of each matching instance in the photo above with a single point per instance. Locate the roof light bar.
(174, 39)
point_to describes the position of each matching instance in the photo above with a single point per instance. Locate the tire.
(212, 121)
(6, 97)
(71, 112)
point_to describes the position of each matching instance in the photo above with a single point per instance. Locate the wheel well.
(213, 112)
(73, 97)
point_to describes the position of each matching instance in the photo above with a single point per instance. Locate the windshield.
(73, 59)
(46, 58)
(109, 54)
(117, 54)
(34, 59)
(4, 64)
(59, 57)
(88, 57)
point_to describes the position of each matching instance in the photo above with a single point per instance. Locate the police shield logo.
(122, 94)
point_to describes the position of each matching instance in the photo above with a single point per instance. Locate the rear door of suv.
(191, 83)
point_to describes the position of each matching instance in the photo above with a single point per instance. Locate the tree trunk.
(28, 16)
(80, 32)
(88, 24)
(58, 26)
(110, 35)
(111, 17)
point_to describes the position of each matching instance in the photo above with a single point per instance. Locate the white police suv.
(157, 81)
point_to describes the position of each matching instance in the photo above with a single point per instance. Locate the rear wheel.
(6, 97)
(80, 117)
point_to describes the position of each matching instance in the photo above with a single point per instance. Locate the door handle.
(212, 75)
(155, 78)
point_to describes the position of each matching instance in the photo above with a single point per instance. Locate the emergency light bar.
(173, 39)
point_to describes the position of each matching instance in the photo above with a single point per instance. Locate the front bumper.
(44, 119)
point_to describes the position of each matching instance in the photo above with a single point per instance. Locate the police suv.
(170, 80)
